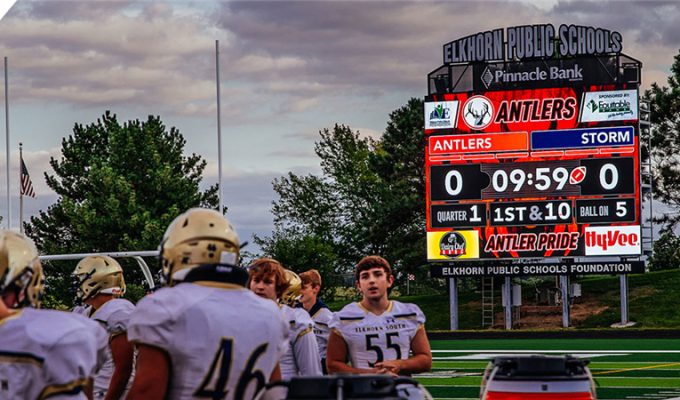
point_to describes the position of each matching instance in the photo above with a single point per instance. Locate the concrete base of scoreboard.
(623, 325)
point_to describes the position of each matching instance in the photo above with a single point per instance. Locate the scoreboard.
(542, 172)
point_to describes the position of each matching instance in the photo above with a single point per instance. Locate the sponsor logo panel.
(615, 105)
(583, 138)
(612, 240)
(478, 143)
(441, 115)
(452, 245)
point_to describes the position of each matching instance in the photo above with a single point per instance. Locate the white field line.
(535, 351)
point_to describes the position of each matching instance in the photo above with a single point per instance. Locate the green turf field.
(622, 368)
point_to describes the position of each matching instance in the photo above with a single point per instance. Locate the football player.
(317, 309)
(376, 334)
(204, 334)
(268, 279)
(43, 353)
(100, 283)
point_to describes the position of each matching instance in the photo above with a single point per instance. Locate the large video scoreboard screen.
(546, 172)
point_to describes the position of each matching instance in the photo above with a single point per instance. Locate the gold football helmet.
(20, 270)
(98, 274)
(197, 237)
(292, 294)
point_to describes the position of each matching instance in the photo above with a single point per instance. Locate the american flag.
(26, 184)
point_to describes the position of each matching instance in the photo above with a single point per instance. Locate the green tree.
(368, 199)
(665, 144)
(666, 253)
(119, 187)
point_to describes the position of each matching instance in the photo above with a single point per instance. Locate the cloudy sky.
(288, 69)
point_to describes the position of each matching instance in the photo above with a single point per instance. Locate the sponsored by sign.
(441, 115)
(583, 138)
(615, 105)
(452, 245)
(612, 240)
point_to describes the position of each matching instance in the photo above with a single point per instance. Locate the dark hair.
(311, 277)
(370, 262)
(268, 267)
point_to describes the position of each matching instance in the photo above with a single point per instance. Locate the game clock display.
(532, 179)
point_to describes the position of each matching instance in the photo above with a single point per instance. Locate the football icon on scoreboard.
(577, 175)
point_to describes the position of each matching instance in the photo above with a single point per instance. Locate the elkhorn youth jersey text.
(114, 316)
(302, 355)
(373, 338)
(222, 340)
(46, 353)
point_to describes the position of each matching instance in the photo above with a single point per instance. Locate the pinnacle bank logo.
(612, 240)
(452, 245)
(491, 76)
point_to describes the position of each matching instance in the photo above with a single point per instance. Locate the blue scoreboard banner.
(581, 138)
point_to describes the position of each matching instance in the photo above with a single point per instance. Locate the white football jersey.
(372, 338)
(220, 338)
(302, 354)
(322, 317)
(46, 353)
(114, 316)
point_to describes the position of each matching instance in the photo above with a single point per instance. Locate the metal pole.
(219, 126)
(453, 303)
(21, 193)
(623, 284)
(9, 208)
(507, 288)
(564, 287)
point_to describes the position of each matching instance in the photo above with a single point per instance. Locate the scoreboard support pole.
(453, 303)
(508, 302)
(623, 284)
(564, 287)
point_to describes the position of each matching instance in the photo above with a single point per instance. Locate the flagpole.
(219, 128)
(9, 208)
(21, 194)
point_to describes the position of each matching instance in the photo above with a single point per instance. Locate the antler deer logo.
(478, 110)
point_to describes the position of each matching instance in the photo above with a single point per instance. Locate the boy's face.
(373, 283)
(308, 292)
(264, 286)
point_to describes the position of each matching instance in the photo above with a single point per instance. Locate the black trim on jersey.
(17, 354)
(351, 318)
(226, 273)
(321, 323)
(405, 315)
(317, 306)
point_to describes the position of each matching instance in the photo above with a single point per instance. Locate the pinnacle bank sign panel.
(572, 72)
(539, 156)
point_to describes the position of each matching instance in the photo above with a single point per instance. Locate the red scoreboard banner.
(548, 172)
